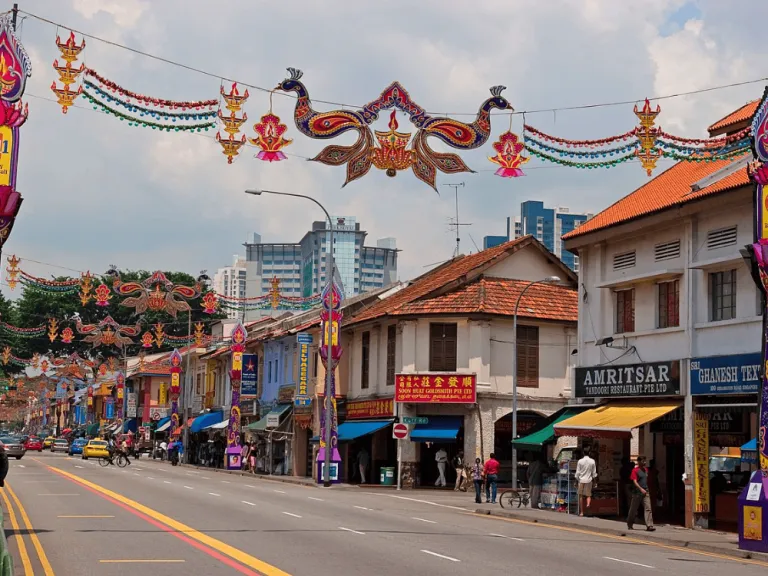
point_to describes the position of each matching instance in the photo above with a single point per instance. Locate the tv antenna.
(456, 224)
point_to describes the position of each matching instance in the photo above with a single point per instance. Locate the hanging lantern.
(509, 156)
(269, 138)
(210, 303)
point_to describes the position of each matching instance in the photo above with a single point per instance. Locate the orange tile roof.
(498, 296)
(669, 189)
(744, 113)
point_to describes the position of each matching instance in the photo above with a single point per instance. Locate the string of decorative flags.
(392, 150)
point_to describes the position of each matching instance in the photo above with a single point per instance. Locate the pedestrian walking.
(252, 458)
(491, 473)
(441, 457)
(461, 474)
(639, 479)
(363, 460)
(536, 470)
(586, 475)
(477, 479)
(245, 452)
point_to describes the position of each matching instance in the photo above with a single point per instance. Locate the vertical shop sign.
(302, 397)
(701, 462)
(249, 387)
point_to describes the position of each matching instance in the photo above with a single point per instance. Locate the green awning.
(92, 430)
(536, 440)
(261, 425)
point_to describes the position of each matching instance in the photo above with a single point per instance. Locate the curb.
(635, 535)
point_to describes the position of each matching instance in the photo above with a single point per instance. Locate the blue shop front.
(725, 405)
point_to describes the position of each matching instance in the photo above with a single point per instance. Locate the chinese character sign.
(437, 388)
(701, 462)
(358, 409)
(162, 394)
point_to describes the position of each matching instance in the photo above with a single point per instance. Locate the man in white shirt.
(586, 476)
(441, 457)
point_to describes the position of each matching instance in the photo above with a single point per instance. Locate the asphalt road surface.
(73, 517)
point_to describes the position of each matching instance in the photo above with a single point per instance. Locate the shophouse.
(441, 350)
(669, 333)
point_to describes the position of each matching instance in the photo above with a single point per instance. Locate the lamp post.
(329, 367)
(547, 280)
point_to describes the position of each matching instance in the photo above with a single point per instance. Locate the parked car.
(13, 446)
(48, 442)
(33, 443)
(96, 449)
(77, 446)
(60, 445)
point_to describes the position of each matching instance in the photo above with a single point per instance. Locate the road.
(73, 517)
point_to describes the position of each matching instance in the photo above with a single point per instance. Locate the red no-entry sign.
(400, 431)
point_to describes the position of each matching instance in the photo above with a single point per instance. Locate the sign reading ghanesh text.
(358, 409)
(437, 388)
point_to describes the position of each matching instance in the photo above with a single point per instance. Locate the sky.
(98, 192)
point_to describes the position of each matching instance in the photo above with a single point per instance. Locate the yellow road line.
(19, 538)
(145, 561)
(35, 540)
(623, 539)
(231, 551)
(84, 516)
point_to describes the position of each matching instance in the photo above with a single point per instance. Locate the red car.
(34, 443)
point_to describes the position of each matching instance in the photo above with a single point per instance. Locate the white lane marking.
(279, 491)
(250, 486)
(205, 477)
(189, 487)
(362, 508)
(417, 500)
(139, 469)
(423, 520)
(226, 482)
(441, 556)
(317, 499)
(166, 482)
(76, 466)
(20, 465)
(350, 530)
(506, 537)
(289, 514)
(246, 502)
(628, 562)
(136, 474)
(193, 472)
(150, 478)
(214, 494)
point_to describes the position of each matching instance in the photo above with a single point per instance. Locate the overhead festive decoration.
(68, 73)
(648, 154)
(67, 335)
(103, 295)
(269, 136)
(159, 336)
(210, 303)
(53, 329)
(273, 299)
(147, 340)
(392, 155)
(111, 98)
(15, 65)
(86, 287)
(156, 293)
(232, 122)
(34, 332)
(199, 335)
(13, 271)
(108, 332)
(509, 156)
(359, 158)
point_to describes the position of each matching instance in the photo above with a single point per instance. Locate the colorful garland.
(745, 133)
(605, 152)
(35, 332)
(580, 143)
(586, 165)
(148, 100)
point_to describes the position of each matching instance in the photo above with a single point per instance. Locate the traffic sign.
(400, 431)
(415, 420)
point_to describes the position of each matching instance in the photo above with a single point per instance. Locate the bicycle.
(521, 497)
(117, 459)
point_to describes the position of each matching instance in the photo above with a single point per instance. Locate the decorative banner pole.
(239, 335)
(120, 380)
(175, 391)
(753, 500)
(89, 411)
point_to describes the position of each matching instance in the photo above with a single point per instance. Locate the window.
(442, 347)
(527, 361)
(197, 384)
(391, 343)
(722, 291)
(314, 365)
(625, 311)
(269, 372)
(669, 304)
(366, 357)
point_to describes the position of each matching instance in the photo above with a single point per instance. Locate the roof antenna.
(455, 224)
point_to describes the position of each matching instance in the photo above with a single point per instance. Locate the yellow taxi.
(48, 442)
(96, 449)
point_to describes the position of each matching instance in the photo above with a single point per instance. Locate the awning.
(202, 422)
(536, 440)
(438, 429)
(163, 422)
(351, 430)
(113, 427)
(130, 425)
(613, 420)
(749, 452)
(218, 426)
(92, 429)
(166, 423)
(260, 426)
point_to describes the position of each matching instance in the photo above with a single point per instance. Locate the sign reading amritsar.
(436, 388)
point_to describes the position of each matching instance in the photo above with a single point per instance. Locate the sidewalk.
(709, 541)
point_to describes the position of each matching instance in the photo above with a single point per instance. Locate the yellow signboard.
(753, 523)
(162, 394)
(237, 360)
(6, 154)
(333, 327)
(701, 462)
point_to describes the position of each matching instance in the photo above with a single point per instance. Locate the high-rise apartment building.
(301, 267)
(231, 281)
(547, 225)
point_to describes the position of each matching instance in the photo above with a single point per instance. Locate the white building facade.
(231, 281)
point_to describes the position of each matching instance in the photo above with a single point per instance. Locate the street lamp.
(329, 366)
(547, 280)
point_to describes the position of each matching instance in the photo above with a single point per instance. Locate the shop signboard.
(273, 420)
(701, 463)
(415, 420)
(450, 388)
(285, 394)
(132, 402)
(379, 408)
(735, 374)
(249, 384)
(646, 380)
(162, 394)
(721, 421)
(302, 394)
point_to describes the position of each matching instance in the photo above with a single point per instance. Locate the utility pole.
(14, 14)
(457, 223)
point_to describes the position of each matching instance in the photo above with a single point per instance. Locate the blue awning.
(163, 421)
(438, 429)
(206, 420)
(749, 452)
(130, 425)
(351, 430)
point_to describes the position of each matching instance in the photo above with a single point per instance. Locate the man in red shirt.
(491, 473)
(639, 479)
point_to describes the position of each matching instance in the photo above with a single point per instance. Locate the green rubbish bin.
(387, 477)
